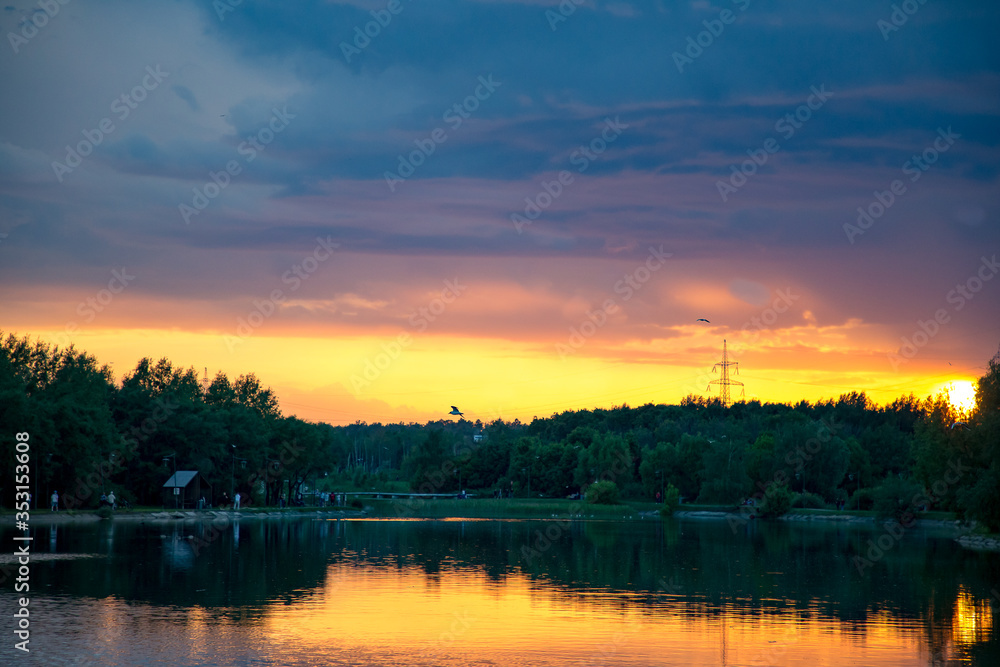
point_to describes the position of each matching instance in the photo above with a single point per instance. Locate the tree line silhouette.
(89, 434)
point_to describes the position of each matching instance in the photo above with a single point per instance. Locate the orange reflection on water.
(464, 617)
(973, 619)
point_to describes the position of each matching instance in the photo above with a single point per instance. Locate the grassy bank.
(474, 508)
(46, 517)
(503, 508)
(927, 516)
(528, 508)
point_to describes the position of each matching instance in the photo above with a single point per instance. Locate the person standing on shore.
(111, 500)
(236, 501)
(55, 501)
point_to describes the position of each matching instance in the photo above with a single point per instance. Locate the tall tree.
(979, 489)
(726, 479)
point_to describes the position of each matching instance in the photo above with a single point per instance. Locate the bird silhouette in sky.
(702, 319)
(455, 411)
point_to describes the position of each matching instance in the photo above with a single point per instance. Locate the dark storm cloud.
(356, 112)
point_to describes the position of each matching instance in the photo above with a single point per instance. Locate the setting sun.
(962, 395)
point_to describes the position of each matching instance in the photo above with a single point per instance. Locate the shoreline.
(828, 518)
(961, 530)
(964, 535)
(48, 518)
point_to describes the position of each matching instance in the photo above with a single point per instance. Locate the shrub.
(777, 501)
(671, 499)
(633, 490)
(862, 499)
(892, 497)
(808, 500)
(357, 504)
(980, 501)
(105, 512)
(602, 493)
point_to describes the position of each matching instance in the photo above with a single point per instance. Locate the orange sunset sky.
(517, 220)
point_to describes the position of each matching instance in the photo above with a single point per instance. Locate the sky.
(519, 207)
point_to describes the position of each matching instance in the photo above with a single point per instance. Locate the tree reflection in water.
(654, 579)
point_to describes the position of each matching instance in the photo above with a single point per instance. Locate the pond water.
(321, 591)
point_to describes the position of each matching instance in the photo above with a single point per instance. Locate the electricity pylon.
(724, 382)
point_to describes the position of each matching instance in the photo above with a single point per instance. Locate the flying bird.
(455, 411)
(702, 319)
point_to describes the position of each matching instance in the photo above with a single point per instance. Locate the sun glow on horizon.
(961, 395)
(494, 377)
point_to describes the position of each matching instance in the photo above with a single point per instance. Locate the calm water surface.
(461, 592)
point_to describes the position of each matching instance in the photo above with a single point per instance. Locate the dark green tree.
(657, 464)
(724, 472)
(978, 494)
(424, 467)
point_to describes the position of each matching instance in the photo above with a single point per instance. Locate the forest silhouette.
(89, 434)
